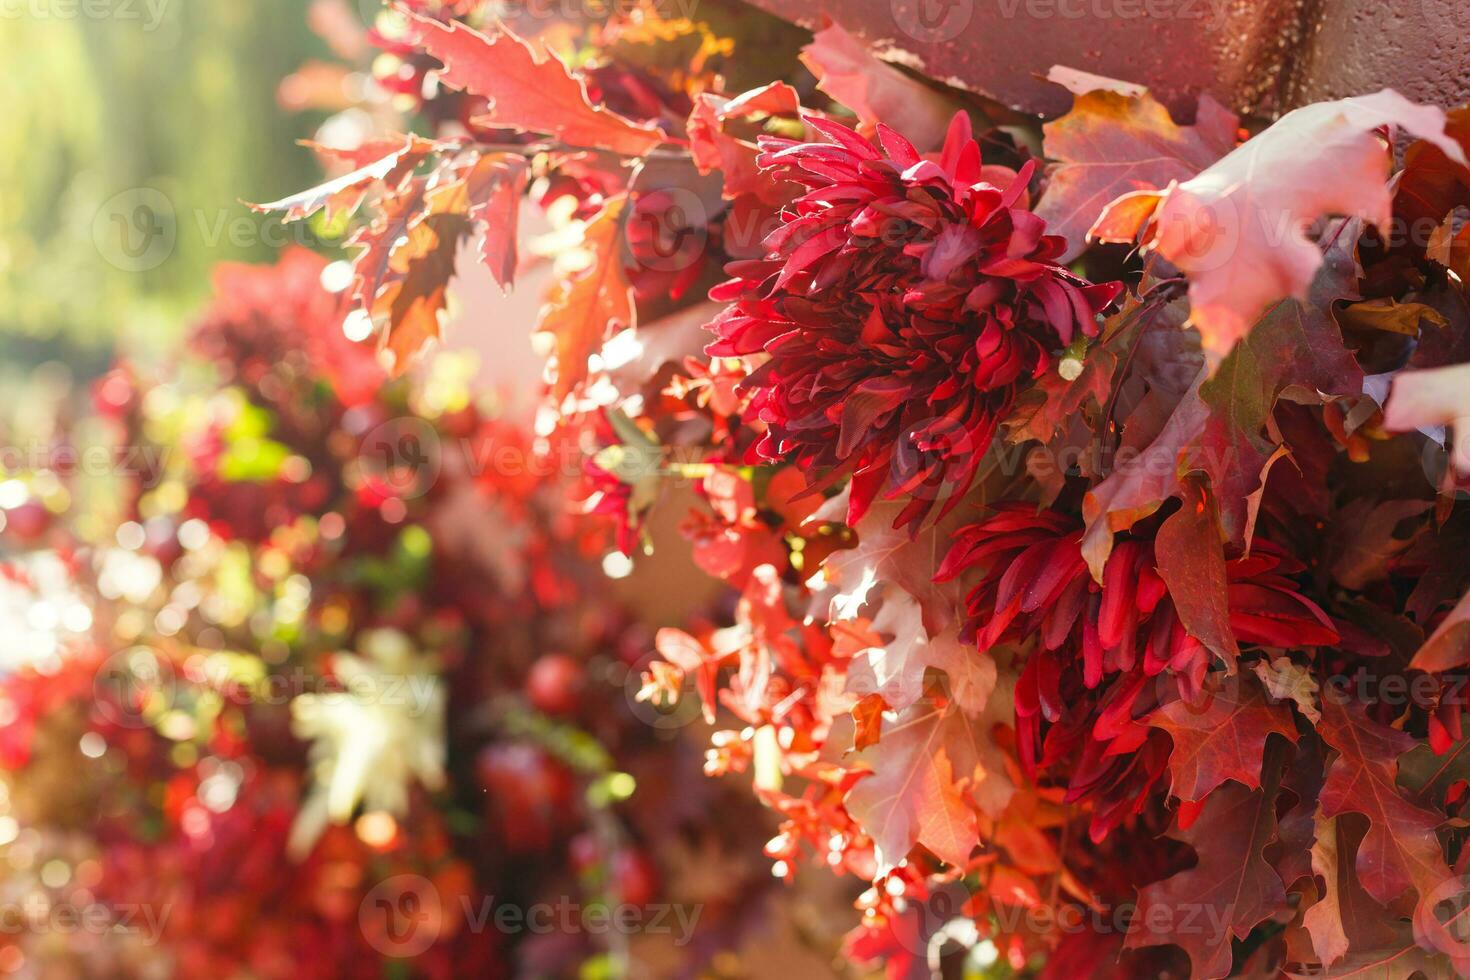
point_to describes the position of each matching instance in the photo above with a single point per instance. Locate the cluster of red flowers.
(902, 302)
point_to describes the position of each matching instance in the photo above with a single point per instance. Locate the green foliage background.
(99, 106)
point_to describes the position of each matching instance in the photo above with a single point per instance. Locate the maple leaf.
(1230, 891)
(875, 90)
(1428, 400)
(1400, 849)
(1118, 139)
(537, 95)
(1221, 738)
(392, 163)
(1238, 229)
(581, 312)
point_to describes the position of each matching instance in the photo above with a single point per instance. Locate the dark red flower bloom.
(902, 302)
(1108, 654)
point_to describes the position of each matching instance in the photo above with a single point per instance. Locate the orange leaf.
(583, 311)
(527, 93)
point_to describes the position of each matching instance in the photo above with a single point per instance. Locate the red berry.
(634, 878)
(555, 684)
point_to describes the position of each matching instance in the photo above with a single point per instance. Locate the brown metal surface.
(1256, 56)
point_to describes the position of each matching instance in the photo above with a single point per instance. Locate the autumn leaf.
(1400, 849)
(1449, 645)
(712, 148)
(888, 557)
(537, 95)
(1238, 229)
(342, 195)
(422, 267)
(896, 669)
(1191, 561)
(1136, 489)
(582, 311)
(1432, 184)
(1222, 738)
(878, 92)
(1230, 891)
(911, 796)
(1429, 400)
(495, 187)
(1118, 139)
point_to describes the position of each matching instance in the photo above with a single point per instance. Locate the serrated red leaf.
(1400, 850)
(537, 95)
(1222, 737)
(1230, 891)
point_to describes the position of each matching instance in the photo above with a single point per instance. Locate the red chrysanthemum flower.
(902, 302)
(1107, 655)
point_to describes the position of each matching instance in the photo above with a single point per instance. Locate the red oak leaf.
(581, 312)
(1192, 564)
(392, 162)
(1230, 891)
(1118, 139)
(1400, 850)
(538, 95)
(1238, 230)
(1220, 738)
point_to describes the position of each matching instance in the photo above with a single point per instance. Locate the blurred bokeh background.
(132, 135)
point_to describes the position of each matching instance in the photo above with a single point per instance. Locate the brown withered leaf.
(1391, 316)
(1118, 139)
(537, 95)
